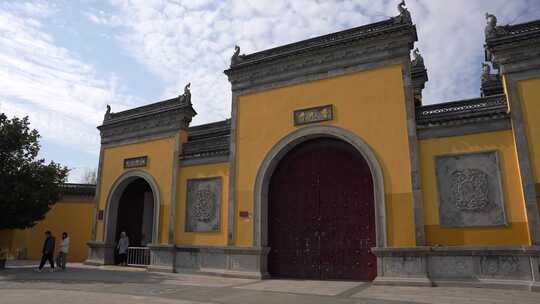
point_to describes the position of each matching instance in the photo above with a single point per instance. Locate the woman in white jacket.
(62, 254)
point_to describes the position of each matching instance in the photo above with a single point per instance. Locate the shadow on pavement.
(79, 273)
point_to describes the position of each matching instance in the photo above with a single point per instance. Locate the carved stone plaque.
(203, 212)
(470, 190)
(135, 162)
(311, 115)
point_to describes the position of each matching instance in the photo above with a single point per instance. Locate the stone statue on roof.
(491, 24)
(236, 57)
(486, 71)
(107, 113)
(418, 60)
(404, 14)
(186, 97)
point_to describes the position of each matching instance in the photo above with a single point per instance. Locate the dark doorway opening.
(321, 214)
(136, 213)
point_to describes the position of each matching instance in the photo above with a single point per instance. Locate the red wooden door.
(321, 213)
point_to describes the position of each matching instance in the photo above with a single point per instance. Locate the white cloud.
(182, 42)
(63, 96)
(185, 41)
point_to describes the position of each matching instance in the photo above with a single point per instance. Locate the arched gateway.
(321, 213)
(133, 207)
(319, 205)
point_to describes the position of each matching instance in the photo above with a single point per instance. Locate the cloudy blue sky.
(61, 62)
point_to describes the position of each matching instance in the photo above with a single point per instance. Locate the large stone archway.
(113, 201)
(281, 148)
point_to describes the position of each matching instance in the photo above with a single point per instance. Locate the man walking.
(62, 254)
(48, 251)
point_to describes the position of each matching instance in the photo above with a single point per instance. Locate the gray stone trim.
(416, 180)
(232, 170)
(76, 199)
(100, 253)
(174, 170)
(247, 262)
(522, 148)
(276, 153)
(328, 72)
(113, 198)
(140, 139)
(336, 55)
(363, 32)
(465, 128)
(204, 160)
(146, 121)
(162, 257)
(513, 267)
(463, 111)
(97, 196)
(88, 190)
(515, 48)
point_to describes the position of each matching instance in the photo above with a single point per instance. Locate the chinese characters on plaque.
(311, 115)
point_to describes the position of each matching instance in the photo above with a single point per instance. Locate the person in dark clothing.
(48, 251)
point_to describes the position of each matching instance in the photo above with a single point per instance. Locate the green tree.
(28, 185)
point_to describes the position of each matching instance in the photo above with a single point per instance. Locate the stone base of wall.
(162, 258)
(491, 267)
(223, 261)
(100, 253)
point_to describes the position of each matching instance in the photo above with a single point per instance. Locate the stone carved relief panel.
(505, 267)
(470, 190)
(203, 205)
(403, 266)
(451, 266)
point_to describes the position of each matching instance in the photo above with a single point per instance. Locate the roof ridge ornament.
(418, 60)
(186, 97)
(492, 29)
(236, 57)
(404, 14)
(486, 71)
(491, 25)
(108, 113)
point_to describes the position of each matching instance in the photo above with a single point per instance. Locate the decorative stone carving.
(470, 190)
(107, 113)
(203, 212)
(499, 265)
(186, 97)
(491, 24)
(204, 206)
(236, 57)
(404, 14)
(418, 60)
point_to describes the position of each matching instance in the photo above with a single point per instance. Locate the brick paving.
(110, 284)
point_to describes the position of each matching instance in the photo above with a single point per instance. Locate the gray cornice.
(515, 47)
(154, 120)
(461, 112)
(377, 42)
(463, 127)
(209, 141)
(78, 189)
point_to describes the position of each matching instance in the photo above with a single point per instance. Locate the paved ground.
(109, 284)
